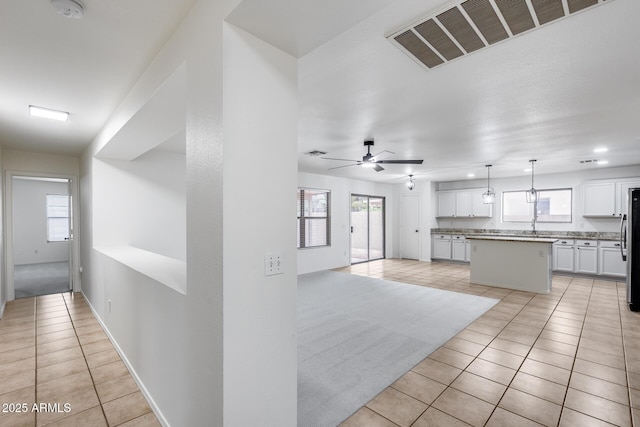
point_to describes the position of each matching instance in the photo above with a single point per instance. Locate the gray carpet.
(40, 279)
(357, 335)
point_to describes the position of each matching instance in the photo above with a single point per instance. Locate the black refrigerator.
(630, 239)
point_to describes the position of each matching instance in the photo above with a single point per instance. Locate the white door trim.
(8, 227)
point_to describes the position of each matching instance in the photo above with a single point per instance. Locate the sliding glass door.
(367, 228)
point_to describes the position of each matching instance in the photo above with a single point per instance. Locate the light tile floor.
(570, 358)
(53, 351)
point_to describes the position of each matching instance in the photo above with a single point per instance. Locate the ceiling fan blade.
(343, 160)
(378, 168)
(401, 162)
(344, 166)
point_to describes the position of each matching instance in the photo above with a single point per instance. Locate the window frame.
(48, 207)
(302, 218)
(570, 189)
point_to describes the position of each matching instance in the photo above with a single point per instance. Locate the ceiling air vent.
(315, 153)
(471, 25)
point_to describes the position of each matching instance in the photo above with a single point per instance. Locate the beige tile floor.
(570, 358)
(53, 351)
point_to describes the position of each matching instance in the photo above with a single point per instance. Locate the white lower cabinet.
(586, 257)
(441, 248)
(610, 261)
(458, 248)
(563, 255)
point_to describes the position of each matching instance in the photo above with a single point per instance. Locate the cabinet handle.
(564, 243)
(587, 243)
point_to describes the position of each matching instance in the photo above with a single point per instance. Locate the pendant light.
(489, 197)
(411, 184)
(532, 194)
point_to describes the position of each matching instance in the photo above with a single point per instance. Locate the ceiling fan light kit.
(69, 8)
(370, 161)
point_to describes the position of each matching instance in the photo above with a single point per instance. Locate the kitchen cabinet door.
(563, 257)
(479, 207)
(586, 260)
(600, 199)
(611, 263)
(441, 248)
(446, 204)
(458, 248)
(464, 204)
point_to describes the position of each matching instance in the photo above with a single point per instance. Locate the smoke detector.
(69, 8)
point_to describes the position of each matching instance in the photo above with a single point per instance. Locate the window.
(314, 219)
(553, 206)
(57, 218)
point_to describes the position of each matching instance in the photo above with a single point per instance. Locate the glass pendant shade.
(411, 184)
(489, 196)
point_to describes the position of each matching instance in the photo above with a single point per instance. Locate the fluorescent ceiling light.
(48, 113)
(601, 150)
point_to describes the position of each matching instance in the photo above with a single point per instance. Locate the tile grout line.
(575, 356)
(84, 356)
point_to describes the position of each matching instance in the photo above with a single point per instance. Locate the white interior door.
(410, 227)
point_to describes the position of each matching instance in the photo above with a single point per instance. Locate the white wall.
(260, 170)
(142, 203)
(338, 254)
(572, 180)
(173, 342)
(186, 350)
(3, 291)
(30, 244)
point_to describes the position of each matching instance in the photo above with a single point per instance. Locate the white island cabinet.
(512, 262)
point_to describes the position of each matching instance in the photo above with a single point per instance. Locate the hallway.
(54, 353)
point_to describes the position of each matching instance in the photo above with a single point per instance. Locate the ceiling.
(83, 66)
(551, 94)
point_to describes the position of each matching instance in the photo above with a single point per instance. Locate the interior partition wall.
(367, 228)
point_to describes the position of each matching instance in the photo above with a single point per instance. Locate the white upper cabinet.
(462, 204)
(599, 199)
(607, 198)
(479, 207)
(446, 203)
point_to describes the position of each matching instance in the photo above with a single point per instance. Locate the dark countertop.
(582, 235)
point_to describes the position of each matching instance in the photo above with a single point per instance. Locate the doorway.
(41, 238)
(410, 227)
(367, 228)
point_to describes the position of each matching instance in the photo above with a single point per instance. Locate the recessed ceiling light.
(527, 170)
(601, 150)
(603, 162)
(48, 113)
(471, 175)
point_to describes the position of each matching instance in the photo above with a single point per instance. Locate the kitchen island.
(520, 263)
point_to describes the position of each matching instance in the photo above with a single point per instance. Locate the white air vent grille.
(470, 25)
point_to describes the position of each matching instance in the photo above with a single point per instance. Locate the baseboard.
(154, 407)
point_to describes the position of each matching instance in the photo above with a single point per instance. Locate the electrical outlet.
(272, 264)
